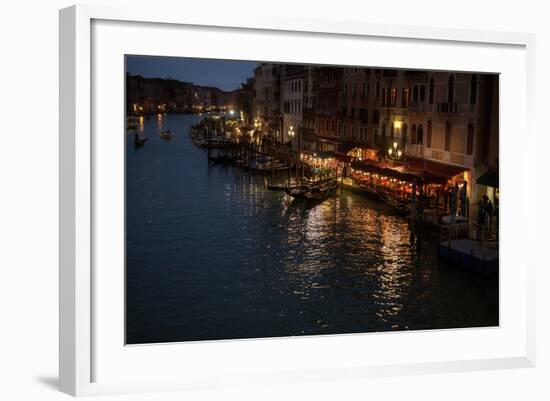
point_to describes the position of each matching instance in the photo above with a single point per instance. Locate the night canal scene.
(274, 200)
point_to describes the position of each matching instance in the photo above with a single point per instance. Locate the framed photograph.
(289, 200)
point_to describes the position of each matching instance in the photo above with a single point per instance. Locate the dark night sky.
(226, 75)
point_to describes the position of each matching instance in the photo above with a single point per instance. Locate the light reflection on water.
(211, 254)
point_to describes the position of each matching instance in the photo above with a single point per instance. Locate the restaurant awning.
(432, 170)
(489, 179)
(373, 167)
(427, 170)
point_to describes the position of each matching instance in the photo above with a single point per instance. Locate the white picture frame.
(83, 347)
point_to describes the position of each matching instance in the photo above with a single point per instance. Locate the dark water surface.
(211, 254)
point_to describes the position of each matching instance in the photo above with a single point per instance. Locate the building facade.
(267, 100)
(292, 90)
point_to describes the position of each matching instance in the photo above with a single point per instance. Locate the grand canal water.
(211, 254)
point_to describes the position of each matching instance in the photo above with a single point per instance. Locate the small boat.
(308, 190)
(319, 193)
(166, 134)
(139, 141)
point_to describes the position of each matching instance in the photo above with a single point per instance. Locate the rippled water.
(211, 254)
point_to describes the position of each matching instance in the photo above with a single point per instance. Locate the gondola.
(313, 191)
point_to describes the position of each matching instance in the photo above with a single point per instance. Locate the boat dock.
(469, 254)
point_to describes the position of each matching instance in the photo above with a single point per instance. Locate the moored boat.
(316, 190)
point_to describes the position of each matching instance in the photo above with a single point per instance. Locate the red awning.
(433, 170)
(407, 173)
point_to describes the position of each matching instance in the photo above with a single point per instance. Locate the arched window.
(473, 90)
(422, 93)
(429, 138)
(431, 91)
(405, 98)
(451, 89)
(415, 93)
(404, 133)
(413, 134)
(420, 135)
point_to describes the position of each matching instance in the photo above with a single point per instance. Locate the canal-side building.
(454, 121)
(267, 101)
(292, 90)
(358, 128)
(307, 126)
(393, 106)
(243, 100)
(327, 110)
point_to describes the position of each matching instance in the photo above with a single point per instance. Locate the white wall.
(28, 201)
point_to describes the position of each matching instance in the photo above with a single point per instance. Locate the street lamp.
(394, 152)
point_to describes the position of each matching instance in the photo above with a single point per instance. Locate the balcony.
(418, 107)
(447, 107)
(467, 109)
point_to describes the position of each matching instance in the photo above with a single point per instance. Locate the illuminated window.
(405, 98)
